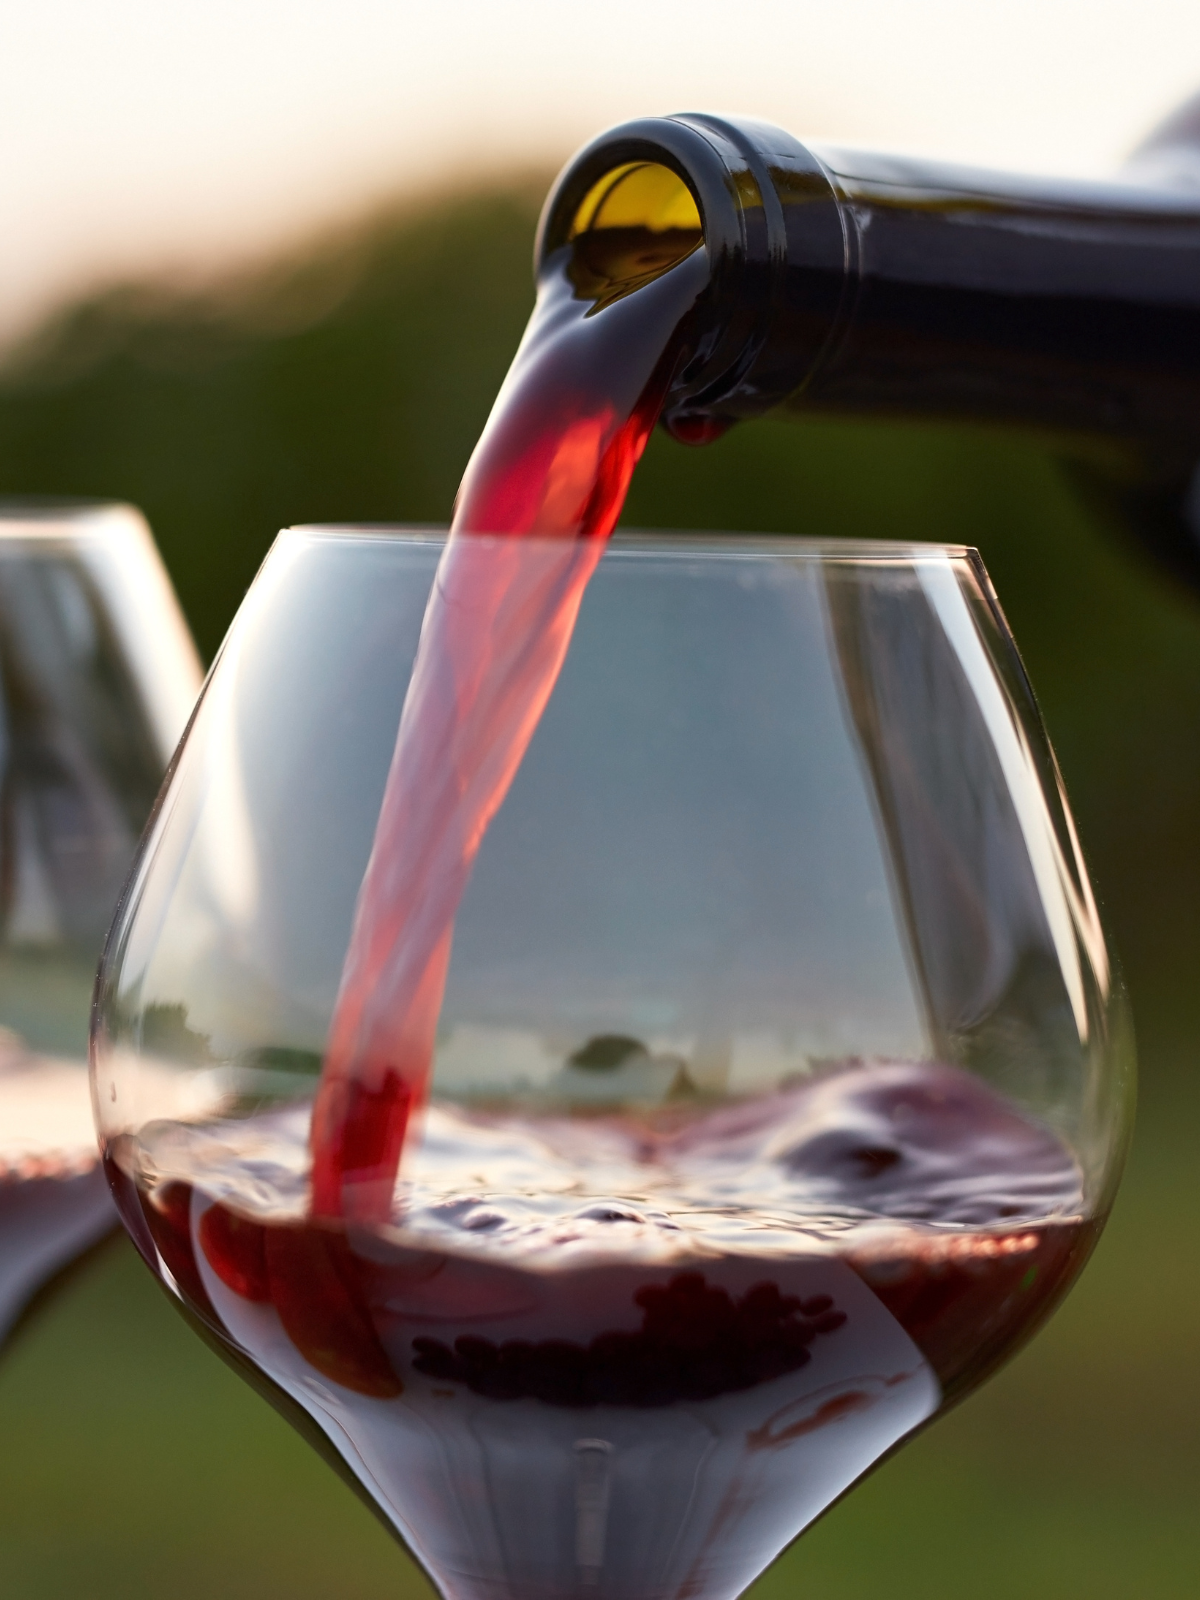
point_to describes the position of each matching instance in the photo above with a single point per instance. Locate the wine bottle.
(881, 285)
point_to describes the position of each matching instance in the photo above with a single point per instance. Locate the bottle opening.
(637, 222)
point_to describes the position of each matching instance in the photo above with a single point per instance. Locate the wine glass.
(782, 1079)
(97, 677)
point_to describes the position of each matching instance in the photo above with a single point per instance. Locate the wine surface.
(54, 1202)
(541, 494)
(628, 1354)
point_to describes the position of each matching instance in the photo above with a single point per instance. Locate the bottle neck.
(1067, 307)
(857, 284)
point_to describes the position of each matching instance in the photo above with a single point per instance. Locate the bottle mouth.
(635, 223)
(642, 197)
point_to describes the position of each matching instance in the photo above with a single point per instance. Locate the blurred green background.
(349, 384)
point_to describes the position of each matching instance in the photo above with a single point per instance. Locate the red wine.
(54, 1203)
(634, 1354)
(541, 494)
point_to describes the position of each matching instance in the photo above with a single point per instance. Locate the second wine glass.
(98, 675)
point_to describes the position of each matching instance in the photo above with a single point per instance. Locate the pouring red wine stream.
(542, 492)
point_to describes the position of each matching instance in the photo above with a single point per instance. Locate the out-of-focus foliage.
(350, 386)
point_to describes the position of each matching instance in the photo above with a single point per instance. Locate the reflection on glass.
(782, 1081)
(97, 677)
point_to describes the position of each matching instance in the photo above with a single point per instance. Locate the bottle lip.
(754, 187)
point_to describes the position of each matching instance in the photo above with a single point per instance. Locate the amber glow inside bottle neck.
(635, 223)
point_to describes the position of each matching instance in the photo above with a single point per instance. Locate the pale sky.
(175, 136)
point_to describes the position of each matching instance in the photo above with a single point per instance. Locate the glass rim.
(38, 517)
(664, 542)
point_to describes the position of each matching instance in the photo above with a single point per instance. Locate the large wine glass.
(782, 1079)
(97, 677)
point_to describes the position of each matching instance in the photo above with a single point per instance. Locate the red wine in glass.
(54, 1203)
(620, 1394)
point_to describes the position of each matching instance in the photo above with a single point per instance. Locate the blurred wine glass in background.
(98, 674)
